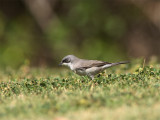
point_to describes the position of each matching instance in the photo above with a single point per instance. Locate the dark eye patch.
(66, 60)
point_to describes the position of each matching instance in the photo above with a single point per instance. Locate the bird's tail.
(113, 64)
(122, 62)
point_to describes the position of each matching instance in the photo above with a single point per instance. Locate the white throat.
(70, 65)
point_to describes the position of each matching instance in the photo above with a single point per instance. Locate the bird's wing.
(91, 63)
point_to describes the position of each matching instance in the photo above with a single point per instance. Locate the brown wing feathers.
(96, 64)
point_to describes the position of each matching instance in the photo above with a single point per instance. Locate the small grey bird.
(87, 67)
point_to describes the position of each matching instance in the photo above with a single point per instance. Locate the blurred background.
(41, 32)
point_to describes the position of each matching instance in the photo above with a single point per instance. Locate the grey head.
(68, 60)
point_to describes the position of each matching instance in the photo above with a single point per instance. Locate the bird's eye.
(66, 61)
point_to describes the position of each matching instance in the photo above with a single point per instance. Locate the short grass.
(125, 92)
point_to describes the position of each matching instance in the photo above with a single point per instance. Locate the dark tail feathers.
(122, 62)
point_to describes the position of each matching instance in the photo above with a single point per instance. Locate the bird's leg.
(92, 77)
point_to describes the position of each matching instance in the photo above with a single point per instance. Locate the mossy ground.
(123, 92)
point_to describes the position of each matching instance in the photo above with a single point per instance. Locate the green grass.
(123, 92)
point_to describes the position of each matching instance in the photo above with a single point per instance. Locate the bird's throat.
(69, 65)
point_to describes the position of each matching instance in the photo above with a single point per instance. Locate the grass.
(123, 92)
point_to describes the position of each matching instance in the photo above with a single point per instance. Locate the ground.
(120, 93)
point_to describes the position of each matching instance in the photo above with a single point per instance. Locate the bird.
(85, 67)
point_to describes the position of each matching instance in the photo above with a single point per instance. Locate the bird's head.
(68, 60)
